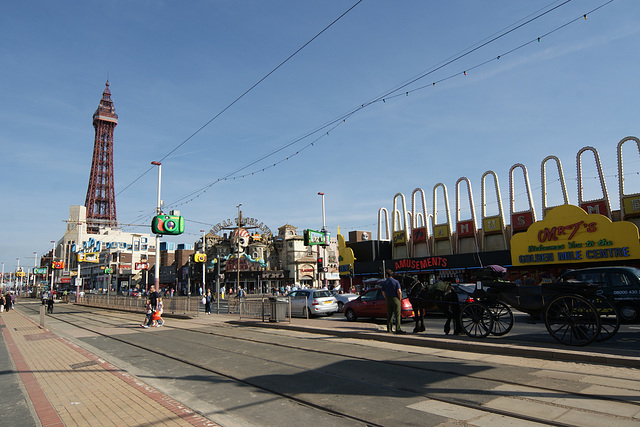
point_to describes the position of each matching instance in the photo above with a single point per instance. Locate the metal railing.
(267, 309)
(185, 306)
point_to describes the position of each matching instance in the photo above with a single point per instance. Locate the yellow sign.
(569, 235)
(93, 257)
(631, 205)
(492, 225)
(346, 257)
(399, 238)
(441, 232)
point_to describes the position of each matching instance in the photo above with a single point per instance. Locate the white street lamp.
(204, 278)
(53, 257)
(324, 248)
(238, 246)
(156, 278)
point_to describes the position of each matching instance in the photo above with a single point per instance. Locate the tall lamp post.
(324, 248)
(133, 261)
(204, 271)
(53, 257)
(15, 285)
(156, 277)
(238, 246)
(35, 265)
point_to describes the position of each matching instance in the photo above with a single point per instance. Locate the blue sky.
(173, 66)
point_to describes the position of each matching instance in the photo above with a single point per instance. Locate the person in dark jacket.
(393, 295)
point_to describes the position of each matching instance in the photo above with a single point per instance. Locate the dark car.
(372, 304)
(618, 284)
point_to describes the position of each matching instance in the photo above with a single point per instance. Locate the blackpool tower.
(101, 198)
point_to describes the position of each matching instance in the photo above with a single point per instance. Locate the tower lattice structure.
(101, 199)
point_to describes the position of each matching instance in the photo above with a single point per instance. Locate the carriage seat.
(498, 286)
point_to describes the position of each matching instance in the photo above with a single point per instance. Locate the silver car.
(312, 302)
(343, 299)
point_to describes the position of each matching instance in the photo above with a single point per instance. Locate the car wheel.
(307, 313)
(340, 306)
(628, 312)
(350, 315)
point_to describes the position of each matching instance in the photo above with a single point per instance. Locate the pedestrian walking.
(1, 303)
(207, 302)
(7, 302)
(393, 295)
(240, 296)
(149, 312)
(153, 297)
(156, 316)
(50, 305)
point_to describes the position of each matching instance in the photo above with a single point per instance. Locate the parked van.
(619, 284)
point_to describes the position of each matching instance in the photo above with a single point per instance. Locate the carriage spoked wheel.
(572, 320)
(609, 317)
(502, 318)
(476, 320)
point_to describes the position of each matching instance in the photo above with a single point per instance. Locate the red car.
(372, 304)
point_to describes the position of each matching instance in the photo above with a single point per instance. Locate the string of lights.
(328, 127)
(332, 125)
(242, 95)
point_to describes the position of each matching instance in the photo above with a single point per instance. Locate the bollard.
(42, 315)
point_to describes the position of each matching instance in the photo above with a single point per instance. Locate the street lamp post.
(15, 285)
(238, 247)
(156, 278)
(133, 263)
(204, 278)
(53, 257)
(35, 265)
(324, 248)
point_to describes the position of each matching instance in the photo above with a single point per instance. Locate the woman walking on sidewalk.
(207, 302)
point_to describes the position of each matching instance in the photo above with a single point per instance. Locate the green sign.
(41, 270)
(108, 270)
(313, 237)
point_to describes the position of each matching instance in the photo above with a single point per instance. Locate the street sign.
(313, 237)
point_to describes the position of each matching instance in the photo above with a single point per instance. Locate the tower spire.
(101, 200)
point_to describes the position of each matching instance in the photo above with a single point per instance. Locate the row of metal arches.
(418, 233)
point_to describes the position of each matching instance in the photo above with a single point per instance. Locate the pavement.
(61, 384)
(51, 381)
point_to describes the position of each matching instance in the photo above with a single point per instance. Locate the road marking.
(470, 416)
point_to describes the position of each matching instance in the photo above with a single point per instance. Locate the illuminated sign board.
(313, 237)
(569, 235)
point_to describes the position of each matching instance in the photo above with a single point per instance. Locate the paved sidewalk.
(69, 386)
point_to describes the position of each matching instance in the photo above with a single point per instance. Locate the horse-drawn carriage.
(573, 312)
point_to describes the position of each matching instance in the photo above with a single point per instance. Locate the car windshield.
(322, 294)
(635, 271)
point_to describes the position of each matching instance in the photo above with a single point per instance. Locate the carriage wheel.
(572, 320)
(502, 318)
(476, 320)
(609, 318)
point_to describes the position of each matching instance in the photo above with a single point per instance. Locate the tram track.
(89, 322)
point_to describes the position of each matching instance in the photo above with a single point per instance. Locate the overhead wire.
(333, 124)
(243, 94)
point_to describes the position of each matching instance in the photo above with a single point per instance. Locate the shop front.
(457, 268)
